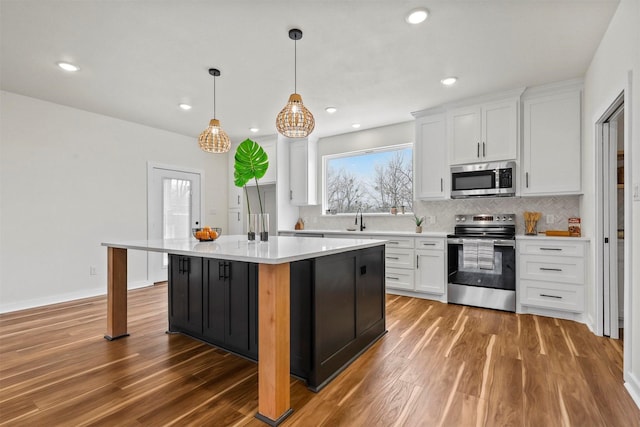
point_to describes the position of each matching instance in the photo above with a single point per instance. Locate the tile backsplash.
(557, 209)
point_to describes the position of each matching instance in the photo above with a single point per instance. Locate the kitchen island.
(273, 261)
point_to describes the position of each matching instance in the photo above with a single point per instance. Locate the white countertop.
(278, 250)
(370, 233)
(545, 237)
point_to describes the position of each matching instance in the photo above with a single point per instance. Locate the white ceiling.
(140, 59)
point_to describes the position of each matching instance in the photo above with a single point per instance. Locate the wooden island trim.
(116, 293)
(274, 403)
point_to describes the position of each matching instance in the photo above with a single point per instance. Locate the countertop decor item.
(214, 139)
(295, 121)
(531, 222)
(206, 234)
(419, 220)
(251, 162)
(575, 229)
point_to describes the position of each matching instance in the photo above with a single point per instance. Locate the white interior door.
(174, 208)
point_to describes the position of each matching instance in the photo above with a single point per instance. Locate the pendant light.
(213, 139)
(295, 121)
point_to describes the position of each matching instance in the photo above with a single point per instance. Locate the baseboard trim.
(633, 387)
(66, 297)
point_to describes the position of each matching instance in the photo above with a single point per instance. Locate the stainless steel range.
(482, 261)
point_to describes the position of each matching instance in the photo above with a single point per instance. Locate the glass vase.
(252, 226)
(263, 227)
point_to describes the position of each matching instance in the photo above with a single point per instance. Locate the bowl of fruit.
(206, 234)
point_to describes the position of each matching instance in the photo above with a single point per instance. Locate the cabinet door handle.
(227, 270)
(188, 262)
(220, 270)
(526, 179)
(238, 199)
(478, 153)
(392, 278)
(441, 185)
(551, 296)
(238, 216)
(417, 262)
(392, 257)
(290, 194)
(550, 249)
(180, 268)
(550, 269)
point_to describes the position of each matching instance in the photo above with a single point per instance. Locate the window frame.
(364, 151)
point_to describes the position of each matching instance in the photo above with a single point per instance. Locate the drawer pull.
(428, 244)
(392, 278)
(550, 249)
(393, 243)
(550, 269)
(551, 296)
(392, 257)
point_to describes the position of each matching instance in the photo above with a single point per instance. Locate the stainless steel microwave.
(483, 180)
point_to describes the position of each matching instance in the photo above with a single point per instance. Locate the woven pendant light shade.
(213, 139)
(295, 121)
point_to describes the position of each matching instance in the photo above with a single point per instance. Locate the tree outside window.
(375, 180)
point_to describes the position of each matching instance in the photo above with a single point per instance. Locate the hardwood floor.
(439, 365)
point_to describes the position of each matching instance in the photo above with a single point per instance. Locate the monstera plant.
(251, 162)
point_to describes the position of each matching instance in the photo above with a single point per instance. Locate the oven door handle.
(496, 242)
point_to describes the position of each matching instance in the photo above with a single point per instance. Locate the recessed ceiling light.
(449, 81)
(254, 130)
(331, 110)
(416, 16)
(185, 107)
(355, 125)
(67, 66)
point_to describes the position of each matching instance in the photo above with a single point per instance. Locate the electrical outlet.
(432, 219)
(551, 219)
(92, 270)
(636, 192)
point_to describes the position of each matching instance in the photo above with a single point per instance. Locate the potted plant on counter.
(419, 221)
(252, 162)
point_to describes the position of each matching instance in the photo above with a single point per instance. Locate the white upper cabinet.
(484, 132)
(551, 155)
(269, 146)
(431, 170)
(302, 171)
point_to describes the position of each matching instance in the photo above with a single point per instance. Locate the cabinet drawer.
(400, 242)
(430, 243)
(397, 278)
(553, 269)
(558, 296)
(553, 247)
(399, 258)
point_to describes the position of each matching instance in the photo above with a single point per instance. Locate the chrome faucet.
(362, 227)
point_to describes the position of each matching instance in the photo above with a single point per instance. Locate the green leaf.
(251, 162)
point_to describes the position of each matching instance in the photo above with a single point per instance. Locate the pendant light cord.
(295, 66)
(214, 97)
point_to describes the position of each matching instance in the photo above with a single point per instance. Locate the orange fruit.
(213, 234)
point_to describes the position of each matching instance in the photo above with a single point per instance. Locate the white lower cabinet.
(551, 277)
(235, 222)
(430, 272)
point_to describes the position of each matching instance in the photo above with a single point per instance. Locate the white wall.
(607, 76)
(71, 179)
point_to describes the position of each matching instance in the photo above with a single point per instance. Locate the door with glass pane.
(173, 210)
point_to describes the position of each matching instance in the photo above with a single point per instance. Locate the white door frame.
(629, 316)
(151, 166)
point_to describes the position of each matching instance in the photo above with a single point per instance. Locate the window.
(375, 180)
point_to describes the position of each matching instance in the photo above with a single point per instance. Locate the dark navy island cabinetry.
(336, 302)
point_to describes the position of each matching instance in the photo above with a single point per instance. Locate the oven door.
(497, 272)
